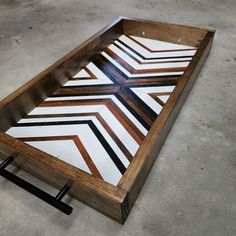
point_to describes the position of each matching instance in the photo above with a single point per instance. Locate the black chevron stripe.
(98, 134)
(151, 58)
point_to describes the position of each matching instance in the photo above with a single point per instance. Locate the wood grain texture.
(135, 176)
(173, 33)
(113, 201)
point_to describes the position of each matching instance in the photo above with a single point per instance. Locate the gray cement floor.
(192, 187)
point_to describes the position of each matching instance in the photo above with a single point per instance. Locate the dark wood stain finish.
(113, 201)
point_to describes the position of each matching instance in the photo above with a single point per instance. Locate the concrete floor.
(192, 187)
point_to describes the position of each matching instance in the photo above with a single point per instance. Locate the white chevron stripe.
(154, 44)
(156, 89)
(111, 120)
(138, 75)
(82, 74)
(101, 78)
(153, 60)
(162, 46)
(143, 93)
(163, 98)
(137, 66)
(100, 157)
(114, 99)
(70, 154)
(95, 121)
(66, 109)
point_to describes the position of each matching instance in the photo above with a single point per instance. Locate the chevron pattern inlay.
(98, 119)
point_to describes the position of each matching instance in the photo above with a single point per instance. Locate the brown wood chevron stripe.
(60, 115)
(86, 90)
(109, 69)
(132, 70)
(124, 120)
(82, 102)
(114, 137)
(153, 51)
(134, 104)
(157, 99)
(171, 59)
(90, 73)
(161, 94)
(120, 78)
(151, 81)
(78, 144)
(86, 157)
(100, 119)
(146, 63)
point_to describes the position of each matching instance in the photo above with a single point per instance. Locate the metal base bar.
(5, 163)
(53, 201)
(62, 192)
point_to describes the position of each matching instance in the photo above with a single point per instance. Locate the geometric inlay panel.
(98, 119)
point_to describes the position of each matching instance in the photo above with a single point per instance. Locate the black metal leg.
(5, 163)
(53, 201)
(62, 192)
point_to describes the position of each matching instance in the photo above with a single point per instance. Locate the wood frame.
(113, 201)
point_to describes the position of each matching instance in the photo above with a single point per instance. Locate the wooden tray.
(97, 118)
